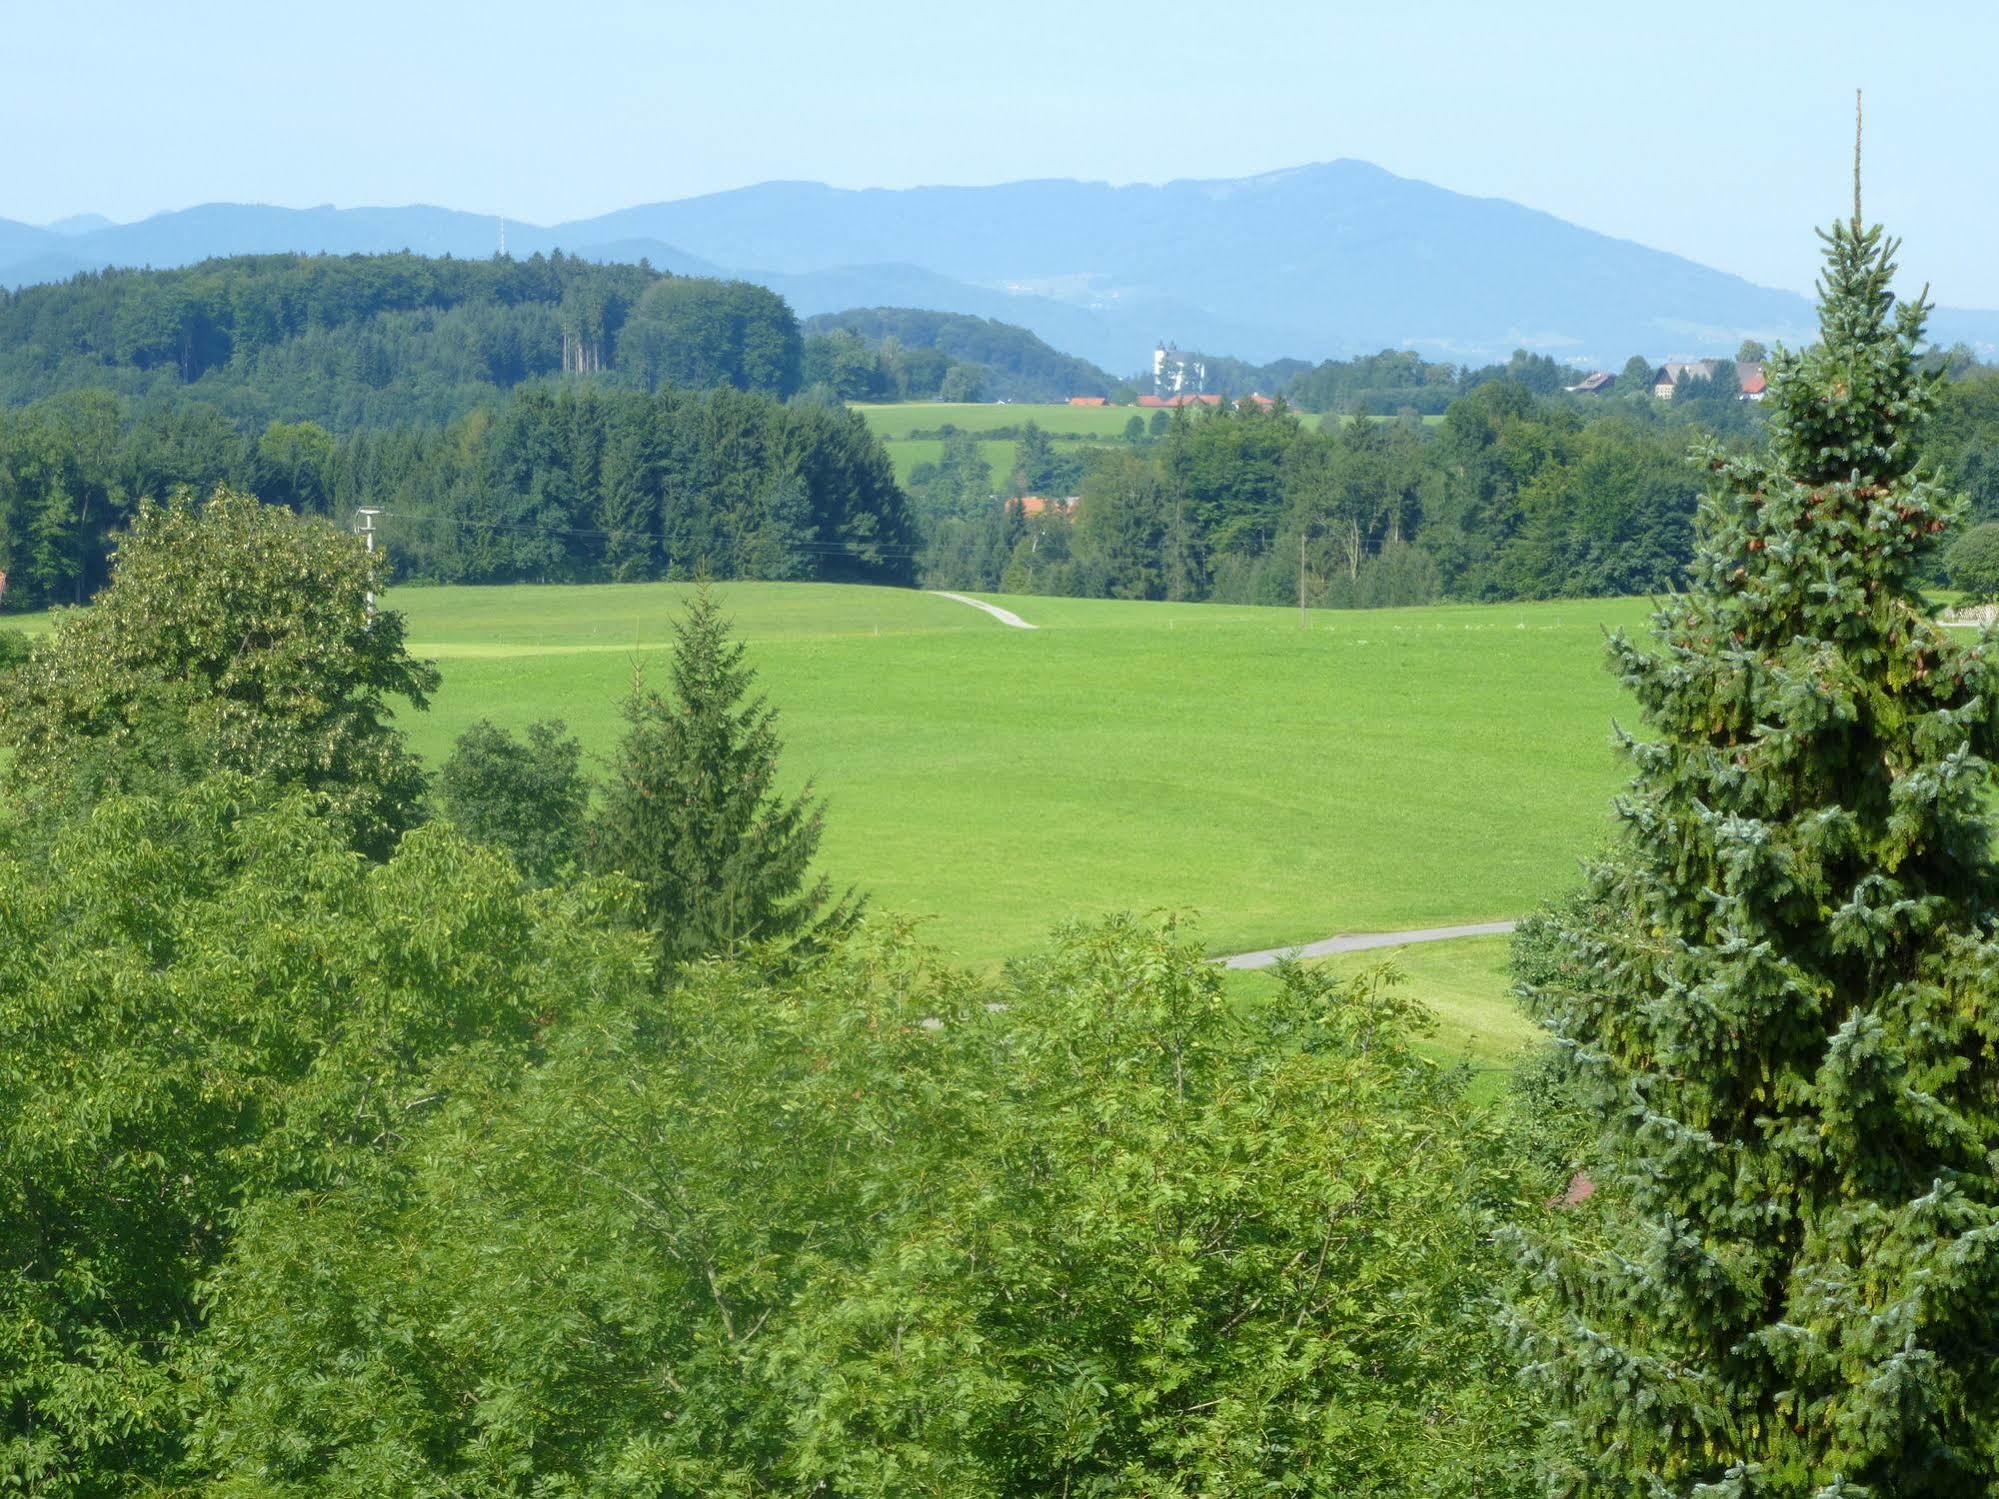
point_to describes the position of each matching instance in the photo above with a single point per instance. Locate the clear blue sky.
(1721, 132)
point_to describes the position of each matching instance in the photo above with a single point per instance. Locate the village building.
(1040, 504)
(1089, 400)
(1173, 403)
(1748, 376)
(1597, 384)
(1174, 373)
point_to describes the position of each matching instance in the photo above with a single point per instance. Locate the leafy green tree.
(691, 811)
(255, 622)
(869, 1226)
(1134, 428)
(1781, 1006)
(1972, 563)
(526, 795)
(1751, 352)
(209, 1004)
(1636, 376)
(1157, 424)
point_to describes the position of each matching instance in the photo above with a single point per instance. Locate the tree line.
(576, 484)
(1509, 497)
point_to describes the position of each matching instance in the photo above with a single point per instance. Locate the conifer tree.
(690, 811)
(1787, 1283)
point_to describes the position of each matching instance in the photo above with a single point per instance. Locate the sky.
(1719, 132)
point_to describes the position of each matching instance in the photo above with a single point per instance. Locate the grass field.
(1376, 771)
(893, 424)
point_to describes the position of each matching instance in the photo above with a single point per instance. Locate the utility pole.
(366, 517)
(1301, 580)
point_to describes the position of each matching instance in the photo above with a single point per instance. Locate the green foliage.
(1972, 563)
(206, 1003)
(1779, 1001)
(525, 795)
(691, 813)
(242, 630)
(703, 334)
(578, 484)
(356, 340)
(868, 1227)
(905, 354)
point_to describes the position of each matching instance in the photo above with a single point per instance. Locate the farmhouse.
(1039, 504)
(1089, 400)
(1598, 384)
(1748, 376)
(1170, 403)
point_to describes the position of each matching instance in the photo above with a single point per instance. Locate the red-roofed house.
(1036, 504)
(1089, 401)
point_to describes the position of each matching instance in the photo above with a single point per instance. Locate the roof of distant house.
(1089, 401)
(1035, 504)
(1595, 384)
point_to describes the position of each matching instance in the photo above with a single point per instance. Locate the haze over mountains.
(1320, 261)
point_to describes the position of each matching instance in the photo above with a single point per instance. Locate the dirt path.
(1363, 941)
(1004, 616)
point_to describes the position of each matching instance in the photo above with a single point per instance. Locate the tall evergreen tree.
(1787, 1024)
(692, 814)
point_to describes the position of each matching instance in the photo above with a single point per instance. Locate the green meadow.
(1370, 771)
(894, 423)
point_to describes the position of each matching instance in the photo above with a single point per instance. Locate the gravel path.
(1004, 616)
(1364, 941)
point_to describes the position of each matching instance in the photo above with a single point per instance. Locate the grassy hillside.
(1375, 771)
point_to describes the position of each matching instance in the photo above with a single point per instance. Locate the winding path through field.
(1004, 616)
(1363, 941)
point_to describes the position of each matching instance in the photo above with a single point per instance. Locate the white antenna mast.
(503, 236)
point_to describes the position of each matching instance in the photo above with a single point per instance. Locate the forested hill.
(549, 418)
(906, 353)
(374, 340)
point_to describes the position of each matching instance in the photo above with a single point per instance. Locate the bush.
(526, 795)
(1972, 562)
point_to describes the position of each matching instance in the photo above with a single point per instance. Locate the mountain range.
(1321, 261)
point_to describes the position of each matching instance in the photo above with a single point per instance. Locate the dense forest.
(379, 340)
(903, 354)
(575, 485)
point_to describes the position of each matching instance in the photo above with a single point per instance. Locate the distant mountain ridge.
(1319, 261)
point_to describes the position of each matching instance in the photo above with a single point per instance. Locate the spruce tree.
(690, 811)
(1783, 1005)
